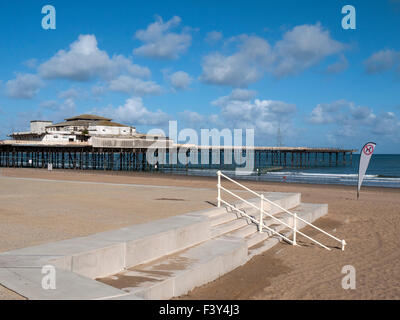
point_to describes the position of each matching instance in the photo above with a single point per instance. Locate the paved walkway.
(35, 211)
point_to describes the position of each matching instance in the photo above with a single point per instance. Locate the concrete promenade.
(35, 211)
(197, 247)
(370, 226)
(45, 210)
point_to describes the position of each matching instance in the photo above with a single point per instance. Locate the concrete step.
(27, 281)
(258, 237)
(224, 218)
(252, 227)
(244, 231)
(177, 274)
(235, 224)
(285, 200)
(231, 215)
(268, 243)
(249, 232)
(214, 212)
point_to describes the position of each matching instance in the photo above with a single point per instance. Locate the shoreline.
(151, 175)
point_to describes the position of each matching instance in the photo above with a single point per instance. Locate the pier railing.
(263, 213)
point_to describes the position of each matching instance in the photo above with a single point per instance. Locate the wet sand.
(370, 226)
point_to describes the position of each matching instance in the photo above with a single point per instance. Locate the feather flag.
(365, 157)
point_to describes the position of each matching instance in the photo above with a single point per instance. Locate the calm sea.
(383, 171)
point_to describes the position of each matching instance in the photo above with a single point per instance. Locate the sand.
(36, 211)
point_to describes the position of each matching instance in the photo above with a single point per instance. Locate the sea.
(383, 171)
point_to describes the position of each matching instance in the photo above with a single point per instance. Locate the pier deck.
(84, 156)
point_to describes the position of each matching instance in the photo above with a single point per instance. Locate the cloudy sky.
(208, 64)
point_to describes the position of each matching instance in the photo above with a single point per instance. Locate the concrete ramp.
(157, 260)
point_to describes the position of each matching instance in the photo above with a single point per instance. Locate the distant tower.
(279, 136)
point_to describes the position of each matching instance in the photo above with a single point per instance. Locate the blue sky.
(208, 64)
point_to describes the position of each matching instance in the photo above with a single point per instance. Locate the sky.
(271, 66)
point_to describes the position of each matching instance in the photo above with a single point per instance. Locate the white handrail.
(253, 205)
(275, 218)
(262, 211)
(255, 221)
(219, 173)
(308, 223)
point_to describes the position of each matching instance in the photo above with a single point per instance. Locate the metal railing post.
(294, 228)
(219, 188)
(261, 213)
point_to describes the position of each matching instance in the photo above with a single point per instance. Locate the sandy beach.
(38, 206)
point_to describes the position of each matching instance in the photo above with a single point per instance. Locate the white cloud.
(240, 69)
(98, 90)
(67, 104)
(199, 121)
(49, 104)
(239, 110)
(59, 110)
(180, 80)
(263, 115)
(382, 61)
(339, 66)
(327, 112)
(67, 107)
(384, 126)
(341, 112)
(30, 63)
(303, 47)
(134, 86)
(160, 42)
(134, 112)
(84, 61)
(71, 93)
(348, 120)
(121, 63)
(387, 124)
(235, 95)
(213, 37)
(300, 48)
(24, 86)
(192, 117)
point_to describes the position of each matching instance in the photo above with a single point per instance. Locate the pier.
(84, 156)
(91, 142)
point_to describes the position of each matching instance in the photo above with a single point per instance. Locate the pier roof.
(87, 122)
(88, 117)
(71, 123)
(110, 124)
